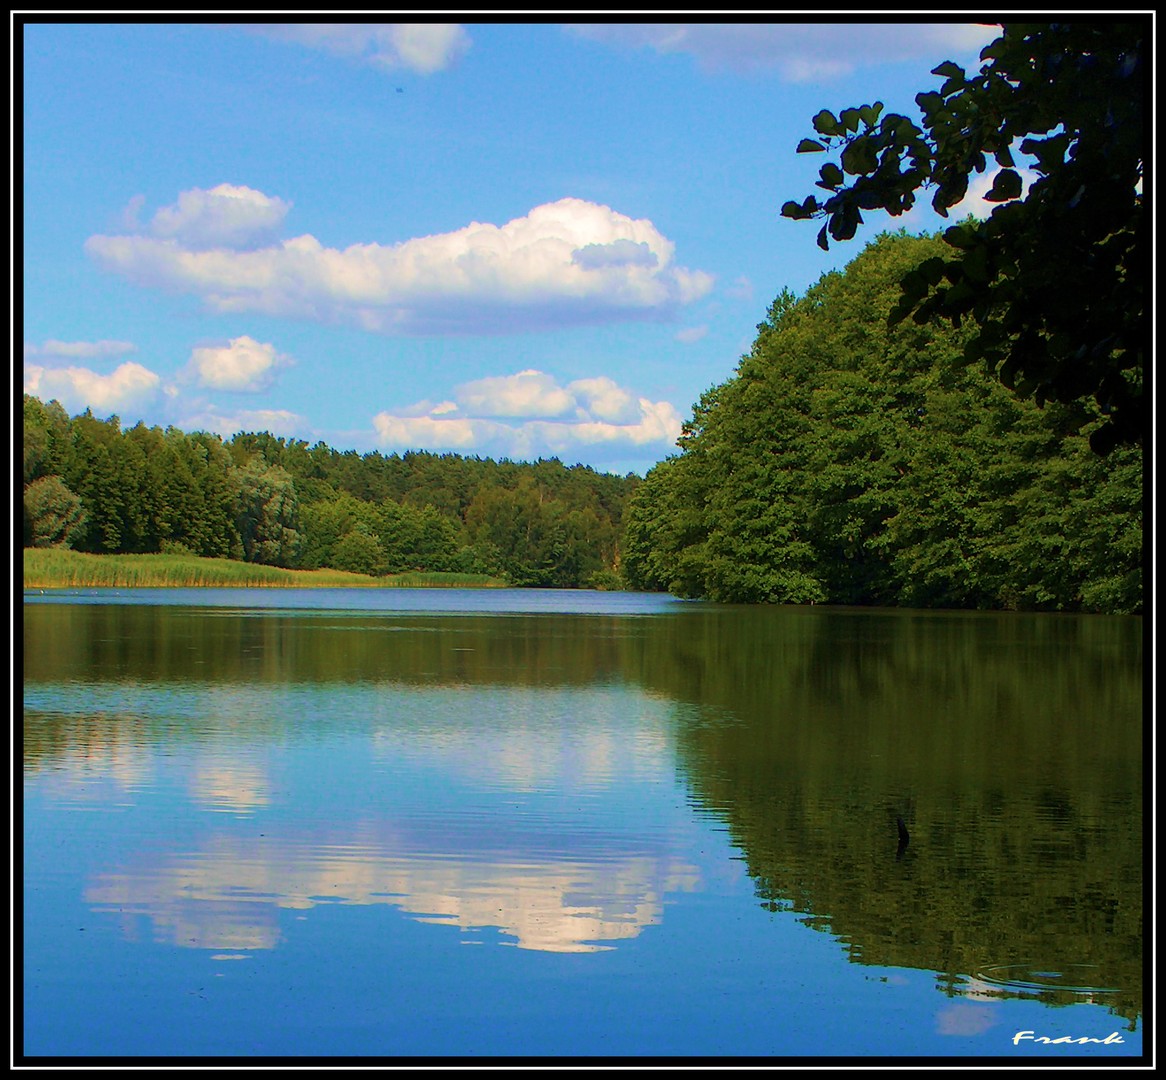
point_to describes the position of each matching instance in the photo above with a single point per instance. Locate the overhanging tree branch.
(1054, 279)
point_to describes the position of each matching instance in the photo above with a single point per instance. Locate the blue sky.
(510, 240)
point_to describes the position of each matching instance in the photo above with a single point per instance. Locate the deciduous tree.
(849, 461)
(53, 516)
(1054, 280)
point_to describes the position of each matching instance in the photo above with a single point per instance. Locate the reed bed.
(59, 568)
(433, 579)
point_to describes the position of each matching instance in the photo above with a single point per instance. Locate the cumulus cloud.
(228, 216)
(279, 422)
(423, 48)
(569, 262)
(529, 393)
(799, 52)
(616, 253)
(604, 400)
(244, 365)
(529, 415)
(130, 386)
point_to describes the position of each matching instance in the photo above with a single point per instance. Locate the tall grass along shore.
(60, 568)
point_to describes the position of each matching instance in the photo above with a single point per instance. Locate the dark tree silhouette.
(1054, 279)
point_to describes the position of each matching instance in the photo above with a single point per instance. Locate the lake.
(505, 823)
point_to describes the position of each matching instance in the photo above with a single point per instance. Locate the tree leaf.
(825, 123)
(831, 176)
(859, 158)
(947, 70)
(961, 236)
(931, 270)
(1005, 187)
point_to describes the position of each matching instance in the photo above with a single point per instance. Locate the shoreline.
(58, 568)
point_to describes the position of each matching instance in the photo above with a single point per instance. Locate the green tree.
(95, 468)
(852, 461)
(359, 552)
(46, 438)
(322, 525)
(216, 534)
(1054, 279)
(267, 514)
(666, 527)
(520, 531)
(146, 449)
(437, 541)
(53, 516)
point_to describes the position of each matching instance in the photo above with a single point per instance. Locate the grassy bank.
(58, 568)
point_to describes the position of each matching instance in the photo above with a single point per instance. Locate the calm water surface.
(511, 822)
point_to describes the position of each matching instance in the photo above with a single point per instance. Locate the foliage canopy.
(1054, 279)
(849, 461)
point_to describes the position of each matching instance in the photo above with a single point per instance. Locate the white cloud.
(529, 393)
(130, 386)
(603, 399)
(800, 52)
(242, 366)
(130, 219)
(226, 216)
(79, 350)
(569, 262)
(616, 253)
(432, 432)
(279, 422)
(691, 334)
(423, 48)
(530, 415)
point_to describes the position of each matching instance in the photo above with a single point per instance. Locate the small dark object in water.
(904, 838)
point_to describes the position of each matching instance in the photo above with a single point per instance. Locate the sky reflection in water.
(238, 838)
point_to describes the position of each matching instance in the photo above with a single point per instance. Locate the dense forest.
(848, 461)
(93, 487)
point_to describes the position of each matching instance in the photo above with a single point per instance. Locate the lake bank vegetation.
(267, 502)
(60, 568)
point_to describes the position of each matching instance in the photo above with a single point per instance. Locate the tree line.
(851, 459)
(855, 459)
(92, 486)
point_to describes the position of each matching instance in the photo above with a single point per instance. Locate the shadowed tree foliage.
(1053, 281)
